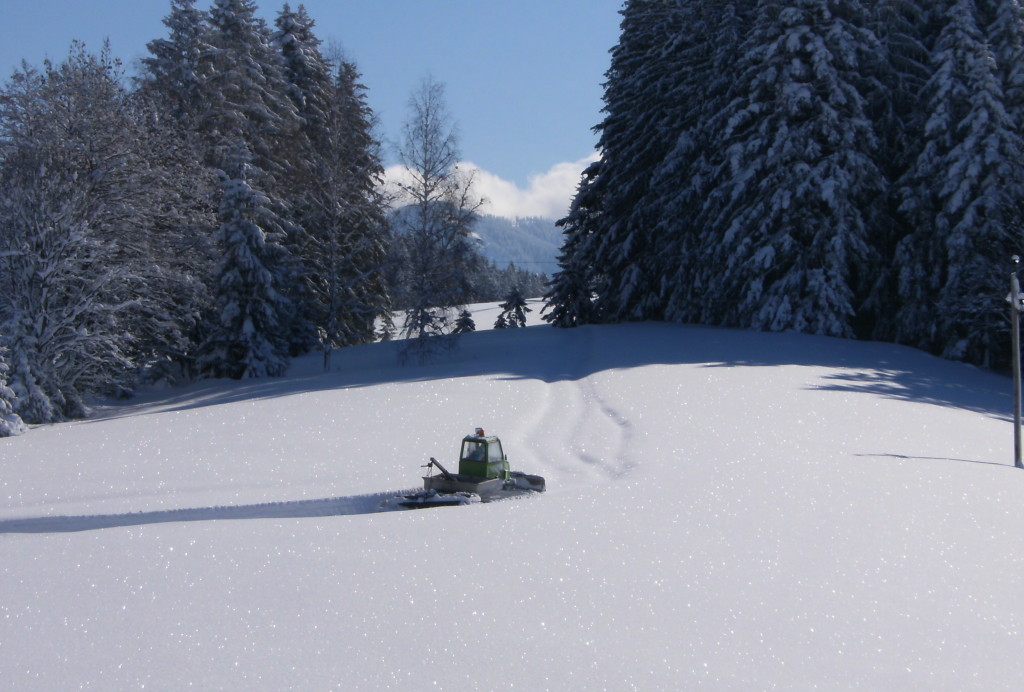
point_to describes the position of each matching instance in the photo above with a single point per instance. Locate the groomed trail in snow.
(726, 510)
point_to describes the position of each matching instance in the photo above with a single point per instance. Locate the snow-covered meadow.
(726, 510)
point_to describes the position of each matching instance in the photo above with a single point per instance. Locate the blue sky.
(523, 77)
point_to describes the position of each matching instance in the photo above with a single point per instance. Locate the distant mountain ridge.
(531, 243)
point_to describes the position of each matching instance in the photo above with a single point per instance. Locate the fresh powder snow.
(726, 510)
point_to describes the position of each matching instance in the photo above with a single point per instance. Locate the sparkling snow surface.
(726, 510)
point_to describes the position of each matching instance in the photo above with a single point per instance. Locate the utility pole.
(1015, 309)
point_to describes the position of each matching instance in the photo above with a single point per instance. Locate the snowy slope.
(726, 510)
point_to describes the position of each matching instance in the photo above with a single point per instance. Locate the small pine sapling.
(465, 323)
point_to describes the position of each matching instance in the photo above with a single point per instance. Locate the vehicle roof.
(478, 438)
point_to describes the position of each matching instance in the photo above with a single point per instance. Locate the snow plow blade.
(431, 498)
(525, 481)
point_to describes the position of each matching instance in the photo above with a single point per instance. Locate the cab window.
(473, 451)
(494, 452)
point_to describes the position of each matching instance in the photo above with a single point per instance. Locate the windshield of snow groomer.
(494, 451)
(474, 450)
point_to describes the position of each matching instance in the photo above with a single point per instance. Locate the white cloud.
(546, 195)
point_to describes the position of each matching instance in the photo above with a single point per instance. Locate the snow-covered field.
(725, 510)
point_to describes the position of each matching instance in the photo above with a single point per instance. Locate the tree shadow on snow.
(553, 355)
(303, 509)
(927, 388)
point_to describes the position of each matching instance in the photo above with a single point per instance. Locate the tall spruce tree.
(246, 108)
(308, 85)
(569, 301)
(903, 30)
(360, 271)
(796, 207)
(245, 97)
(306, 73)
(177, 67)
(346, 228)
(169, 100)
(958, 194)
(714, 36)
(247, 338)
(1005, 23)
(175, 190)
(639, 129)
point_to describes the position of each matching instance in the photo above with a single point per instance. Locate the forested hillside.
(826, 166)
(214, 215)
(529, 243)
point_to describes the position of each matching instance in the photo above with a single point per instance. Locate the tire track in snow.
(620, 463)
(551, 429)
(576, 423)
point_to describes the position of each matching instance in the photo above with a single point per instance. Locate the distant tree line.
(215, 216)
(825, 166)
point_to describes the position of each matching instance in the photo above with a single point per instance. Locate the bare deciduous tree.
(436, 226)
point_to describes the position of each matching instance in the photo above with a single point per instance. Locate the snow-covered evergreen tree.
(308, 84)
(248, 337)
(959, 195)
(465, 323)
(513, 311)
(797, 204)
(632, 235)
(174, 72)
(10, 422)
(903, 30)
(1005, 24)
(569, 301)
(639, 128)
(179, 193)
(306, 73)
(170, 102)
(246, 101)
(817, 165)
(345, 221)
(697, 163)
(245, 96)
